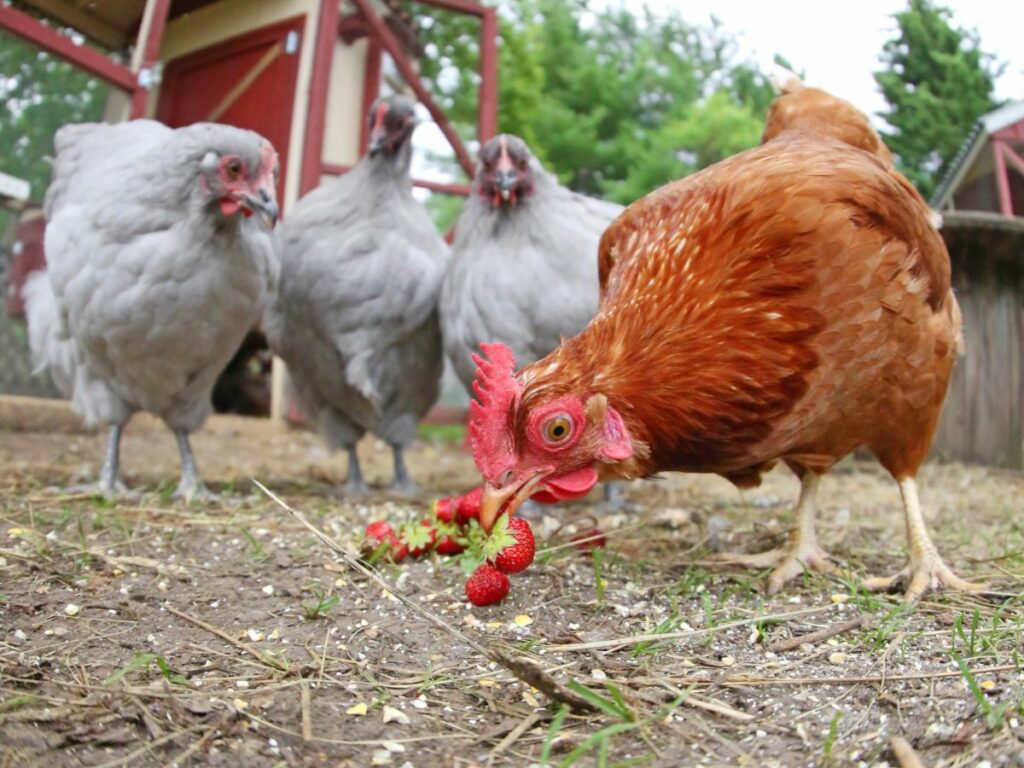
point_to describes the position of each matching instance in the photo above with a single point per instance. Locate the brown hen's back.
(792, 302)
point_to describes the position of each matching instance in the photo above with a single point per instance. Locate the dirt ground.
(151, 633)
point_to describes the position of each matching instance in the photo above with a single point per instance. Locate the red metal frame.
(1001, 153)
(366, 21)
(448, 188)
(319, 89)
(95, 63)
(89, 60)
(150, 55)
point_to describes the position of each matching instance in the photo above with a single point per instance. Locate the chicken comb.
(495, 389)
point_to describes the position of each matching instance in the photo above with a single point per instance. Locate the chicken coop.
(982, 204)
(300, 72)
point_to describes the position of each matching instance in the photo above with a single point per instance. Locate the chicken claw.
(787, 562)
(929, 573)
(803, 550)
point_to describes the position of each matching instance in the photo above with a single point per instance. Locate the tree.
(604, 98)
(38, 94)
(937, 82)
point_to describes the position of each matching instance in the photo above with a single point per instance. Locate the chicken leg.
(110, 472)
(355, 485)
(926, 570)
(190, 487)
(801, 551)
(402, 484)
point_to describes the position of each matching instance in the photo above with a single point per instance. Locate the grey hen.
(155, 271)
(524, 260)
(355, 316)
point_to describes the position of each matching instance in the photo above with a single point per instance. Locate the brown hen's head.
(531, 444)
(504, 175)
(392, 120)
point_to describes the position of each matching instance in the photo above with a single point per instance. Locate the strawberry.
(444, 509)
(516, 557)
(487, 585)
(449, 546)
(418, 538)
(382, 532)
(469, 506)
(592, 539)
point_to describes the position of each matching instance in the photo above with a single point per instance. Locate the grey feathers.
(149, 288)
(524, 275)
(355, 316)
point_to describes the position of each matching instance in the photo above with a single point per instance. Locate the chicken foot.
(190, 487)
(355, 485)
(802, 551)
(926, 569)
(402, 484)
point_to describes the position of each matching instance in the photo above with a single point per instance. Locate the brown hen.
(790, 303)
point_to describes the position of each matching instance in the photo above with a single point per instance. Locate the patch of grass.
(600, 742)
(256, 551)
(319, 610)
(143, 660)
(830, 737)
(442, 433)
(670, 624)
(597, 559)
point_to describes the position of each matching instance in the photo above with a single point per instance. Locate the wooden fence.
(983, 420)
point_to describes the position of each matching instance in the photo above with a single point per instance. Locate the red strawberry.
(444, 509)
(592, 539)
(419, 538)
(449, 546)
(516, 557)
(381, 532)
(487, 585)
(469, 506)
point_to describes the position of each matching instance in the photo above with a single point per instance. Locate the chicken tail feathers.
(49, 344)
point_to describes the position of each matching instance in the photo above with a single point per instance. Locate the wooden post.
(147, 53)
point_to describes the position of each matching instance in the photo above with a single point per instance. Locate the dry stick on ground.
(904, 753)
(816, 637)
(741, 682)
(522, 668)
(225, 636)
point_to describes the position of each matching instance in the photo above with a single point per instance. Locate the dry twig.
(816, 637)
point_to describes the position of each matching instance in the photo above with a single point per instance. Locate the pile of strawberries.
(454, 529)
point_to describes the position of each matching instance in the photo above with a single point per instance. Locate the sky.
(836, 44)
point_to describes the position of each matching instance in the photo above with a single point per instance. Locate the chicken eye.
(558, 428)
(233, 169)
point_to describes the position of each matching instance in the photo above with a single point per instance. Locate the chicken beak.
(498, 501)
(506, 182)
(264, 203)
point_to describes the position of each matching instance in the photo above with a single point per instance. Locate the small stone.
(837, 657)
(485, 682)
(987, 685)
(419, 702)
(255, 635)
(598, 674)
(275, 634)
(522, 620)
(357, 710)
(392, 715)
(268, 590)
(727, 661)
(71, 609)
(162, 585)
(393, 746)
(239, 704)
(840, 598)
(241, 684)
(20, 636)
(381, 757)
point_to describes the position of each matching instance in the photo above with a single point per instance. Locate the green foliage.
(143, 660)
(38, 95)
(322, 606)
(937, 82)
(614, 103)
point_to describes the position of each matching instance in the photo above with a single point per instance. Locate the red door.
(248, 81)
